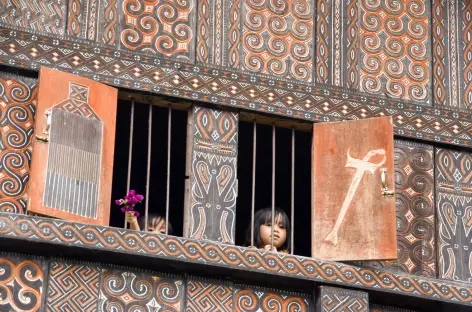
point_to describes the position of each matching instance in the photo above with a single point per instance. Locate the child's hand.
(132, 220)
(267, 247)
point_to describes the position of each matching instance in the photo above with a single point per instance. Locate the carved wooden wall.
(454, 210)
(332, 299)
(18, 96)
(414, 187)
(212, 167)
(37, 284)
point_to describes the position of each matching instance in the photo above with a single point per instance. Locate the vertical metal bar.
(148, 171)
(273, 189)
(253, 194)
(292, 195)
(130, 150)
(169, 132)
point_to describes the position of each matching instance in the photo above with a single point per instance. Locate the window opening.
(150, 166)
(289, 180)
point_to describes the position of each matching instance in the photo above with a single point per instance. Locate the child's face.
(280, 233)
(157, 225)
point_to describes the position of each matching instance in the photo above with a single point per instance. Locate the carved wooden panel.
(72, 287)
(139, 291)
(212, 166)
(206, 295)
(331, 299)
(337, 43)
(44, 16)
(18, 98)
(454, 209)
(416, 232)
(452, 46)
(253, 299)
(219, 32)
(94, 20)
(378, 47)
(351, 220)
(71, 172)
(162, 28)
(21, 283)
(277, 38)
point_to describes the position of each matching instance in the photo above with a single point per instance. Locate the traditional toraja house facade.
(213, 110)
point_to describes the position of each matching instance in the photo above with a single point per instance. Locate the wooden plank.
(416, 231)
(71, 174)
(454, 209)
(332, 299)
(212, 166)
(351, 220)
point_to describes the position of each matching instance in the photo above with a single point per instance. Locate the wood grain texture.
(342, 153)
(18, 100)
(416, 230)
(54, 91)
(212, 167)
(454, 209)
(332, 299)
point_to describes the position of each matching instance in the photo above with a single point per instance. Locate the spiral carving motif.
(159, 27)
(395, 52)
(414, 197)
(278, 38)
(21, 284)
(253, 300)
(129, 291)
(17, 109)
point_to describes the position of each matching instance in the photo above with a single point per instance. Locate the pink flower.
(139, 197)
(118, 201)
(132, 193)
(123, 209)
(130, 208)
(136, 214)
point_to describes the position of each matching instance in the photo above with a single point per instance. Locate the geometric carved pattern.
(211, 210)
(208, 296)
(395, 49)
(337, 43)
(277, 38)
(42, 16)
(72, 287)
(78, 101)
(452, 48)
(333, 299)
(454, 206)
(227, 87)
(159, 27)
(248, 298)
(18, 98)
(414, 189)
(130, 291)
(219, 32)
(21, 283)
(116, 241)
(93, 20)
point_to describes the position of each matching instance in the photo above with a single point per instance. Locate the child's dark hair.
(153, 220)
(264, 216)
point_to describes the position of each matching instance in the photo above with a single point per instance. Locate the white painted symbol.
(361, 166)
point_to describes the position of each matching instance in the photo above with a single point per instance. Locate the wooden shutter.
(351, 218)
(72, 161)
